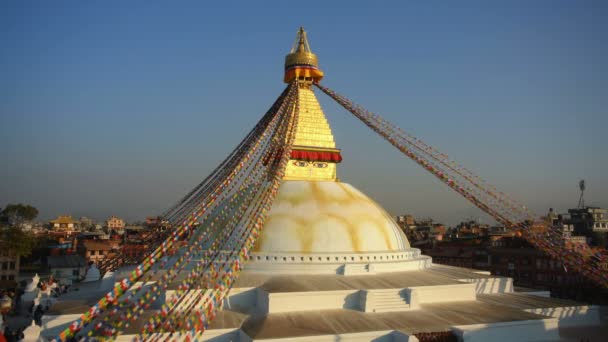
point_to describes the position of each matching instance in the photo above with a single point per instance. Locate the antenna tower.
(581, 200)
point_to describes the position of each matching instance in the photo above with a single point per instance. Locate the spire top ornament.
(301, 63)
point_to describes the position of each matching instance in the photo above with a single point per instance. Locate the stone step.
(390, 308)
(386, 295)
(385, 300)
(389, 301)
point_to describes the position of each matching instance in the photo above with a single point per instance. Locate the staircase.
(385, 300)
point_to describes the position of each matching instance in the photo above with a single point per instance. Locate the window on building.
(11, 266)
(75, 273)
(3, 277)
(11, 277)
(5, 265)
(538, 264)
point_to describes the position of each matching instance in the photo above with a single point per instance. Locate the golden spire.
(301, 42)
(314, 155)
(301, 63)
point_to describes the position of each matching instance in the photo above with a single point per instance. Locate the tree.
(15, 214)
(16, 240)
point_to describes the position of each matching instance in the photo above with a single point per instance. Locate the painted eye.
(321, 165)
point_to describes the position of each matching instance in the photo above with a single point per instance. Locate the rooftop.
(435, 275)
(65, 261)
(431, 317)
(63, 219)
(96, 246)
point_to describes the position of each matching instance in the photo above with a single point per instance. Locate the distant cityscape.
(64, 248)
(502, 252)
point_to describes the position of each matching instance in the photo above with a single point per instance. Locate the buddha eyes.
(302, 163)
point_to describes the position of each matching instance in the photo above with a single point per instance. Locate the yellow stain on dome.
(326, 217)
(295, 198)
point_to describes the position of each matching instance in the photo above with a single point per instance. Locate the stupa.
(332, 265)
(317, 222)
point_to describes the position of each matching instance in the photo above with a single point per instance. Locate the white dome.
(93, 274)
(328, 217)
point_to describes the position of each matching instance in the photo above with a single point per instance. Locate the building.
(589, 219)
(331, 265)
(9, 267)
(67, 269)
(95, 235)
(115, 223)
(405, 221)
(96, 251)
(86, 223)
(458, 256)
(591, 222)
(153, 221)
(64, 225)
(529, 267)
(134, 252)
(504, 254)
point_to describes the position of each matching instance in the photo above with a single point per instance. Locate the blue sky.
(119, 107)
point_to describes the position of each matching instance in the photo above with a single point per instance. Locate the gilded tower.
(314, 155)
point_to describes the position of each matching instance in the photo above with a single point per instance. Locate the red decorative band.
(320, 156)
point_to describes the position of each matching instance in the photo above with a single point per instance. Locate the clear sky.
(120, 107)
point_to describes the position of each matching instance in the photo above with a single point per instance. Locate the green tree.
(17, 240)
(16, 214)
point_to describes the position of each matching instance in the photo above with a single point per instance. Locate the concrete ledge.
(363, 300)
(491, 285)
(441, 294)
(213, 335)
(534, 330)
(242, 300)
(572, 315)
(338, 263)
(307, 301)
(544, 294)
(52, 325)
(376, 336)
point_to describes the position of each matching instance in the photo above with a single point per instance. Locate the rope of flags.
(216, 204)
(220, 274)
(218, 222)
(577, 257)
